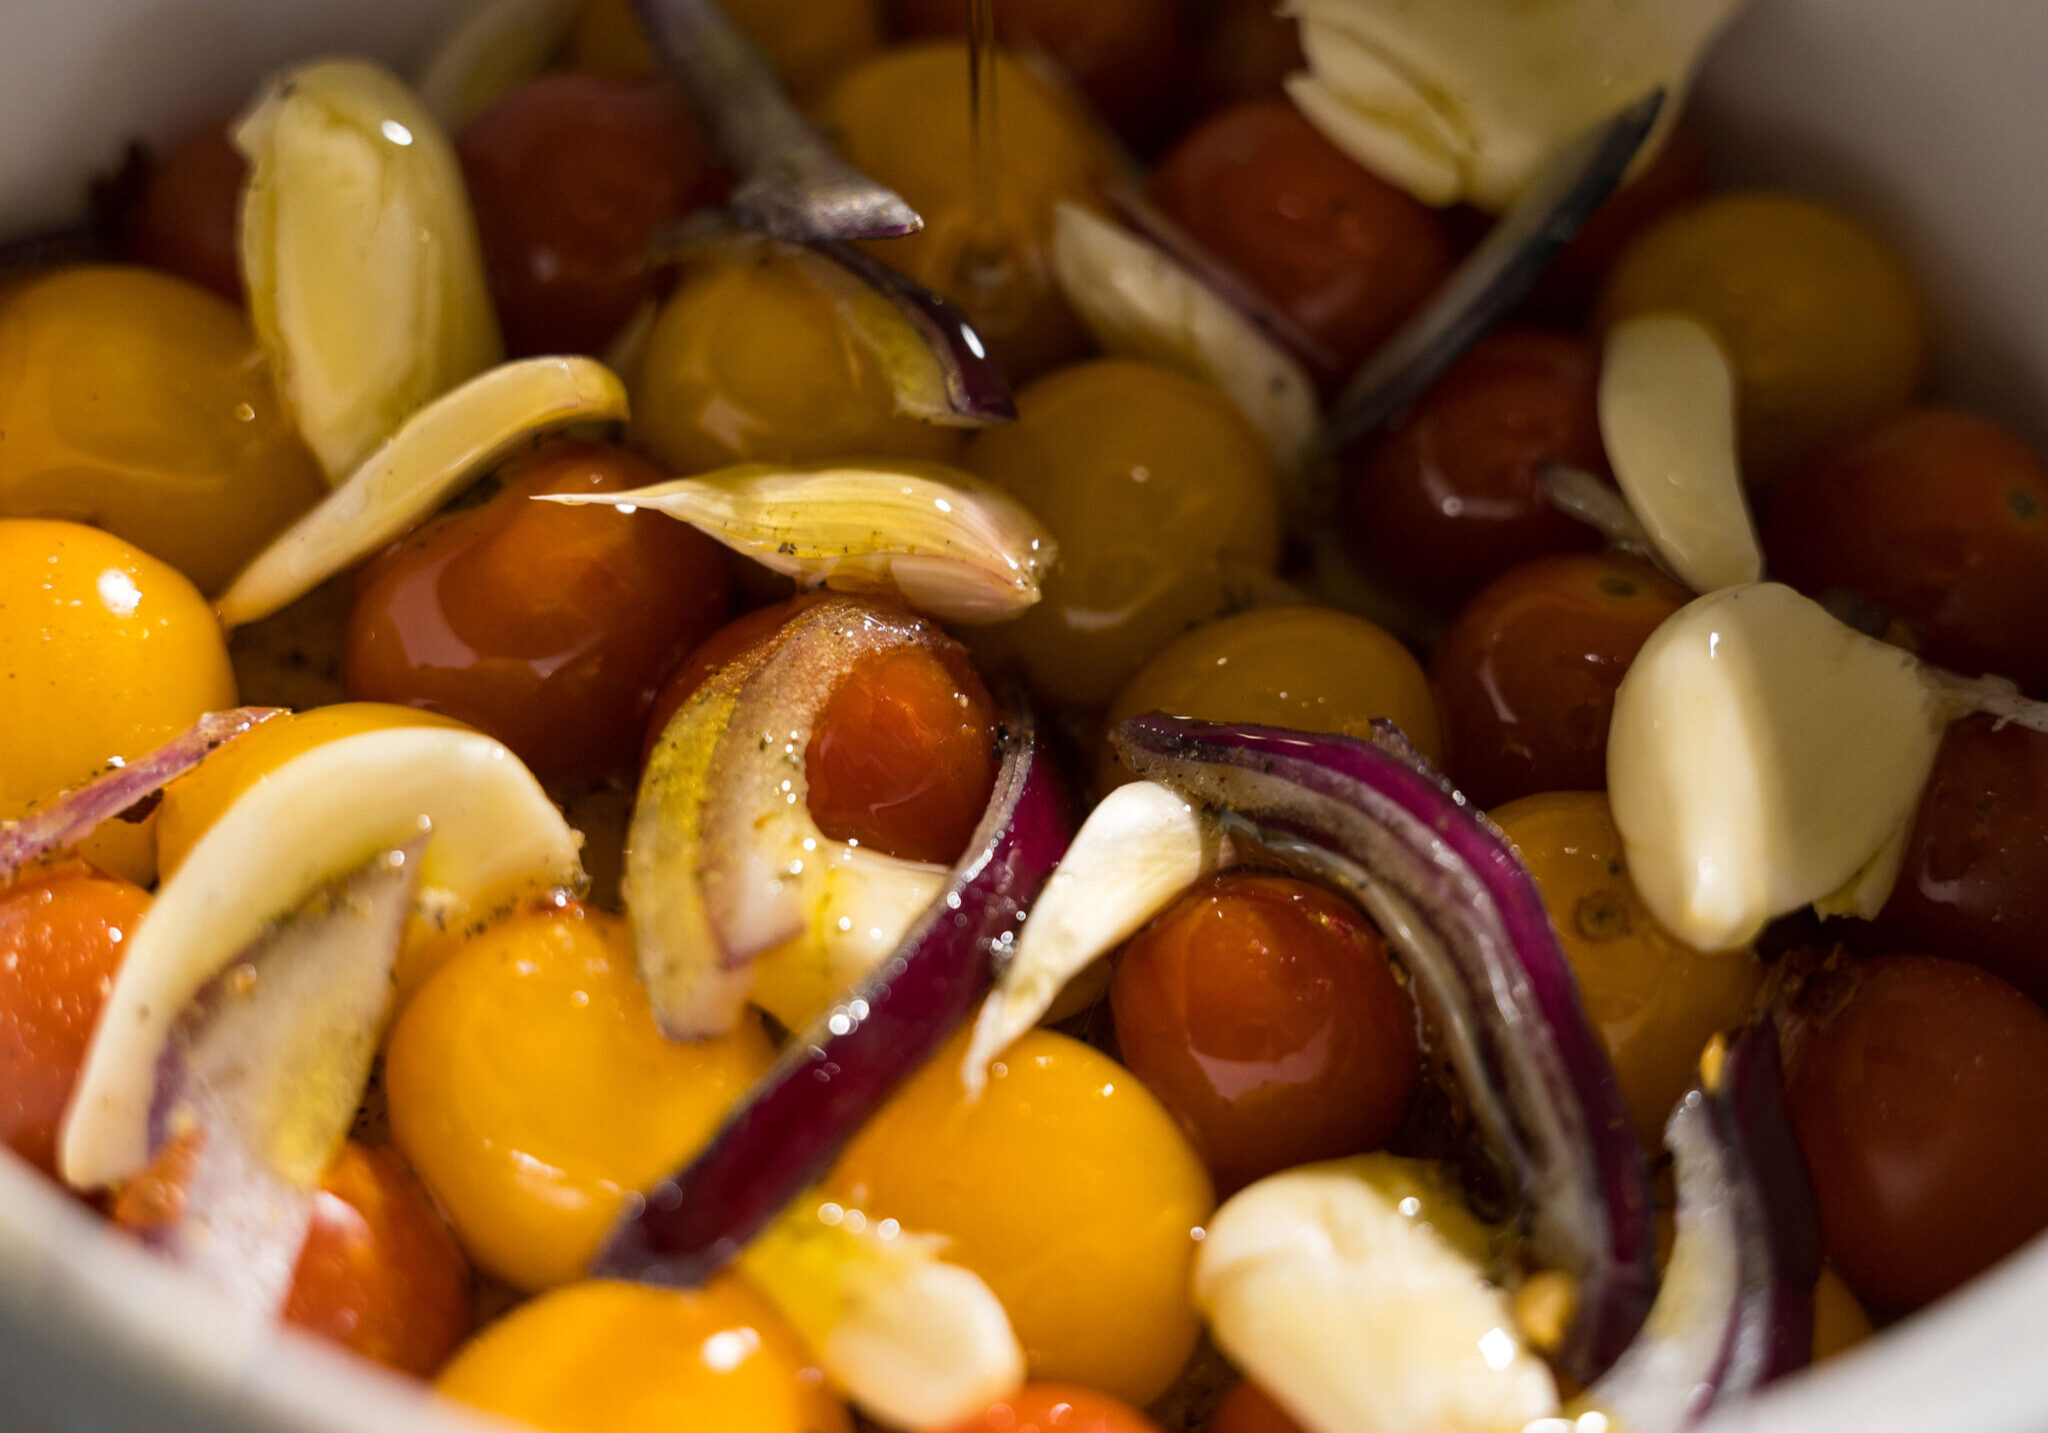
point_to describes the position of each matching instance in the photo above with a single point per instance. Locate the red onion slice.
(834, 1075)
(262, 1074)
(73, 816)
(1736, 1309)
(792, 186)
(1448, 890)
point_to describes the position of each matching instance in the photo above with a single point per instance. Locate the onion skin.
(833, 1076)
(1375, 819)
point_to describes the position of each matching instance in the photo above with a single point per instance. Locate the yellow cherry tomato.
(1163, 501)
(1821, 318)
(532, 1090)
(1309, 668)
(135, 401)
(809, 42)
(1839, 1323)
(1655, 1000)
(902, 117)
(750, 360)
(605, 1357)
(1066, 1187)
(105, 653)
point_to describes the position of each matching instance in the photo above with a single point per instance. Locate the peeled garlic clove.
(915, 1341)
(950, 544)
(1466, 99)
(493, 47)
(1139, 301)
(1334, 1289)
(1761, 755)
(366, 282)
(1140, 847)
(439, 451)
(1667, 420)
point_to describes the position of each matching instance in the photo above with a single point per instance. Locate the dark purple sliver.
(976, 386)
(790, 1128)
(1460, 865)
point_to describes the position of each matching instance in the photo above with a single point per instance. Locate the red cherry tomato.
(188, 220)
(570, 176)
(549, 627)
(1919, 1104)
(61, 935)
(1526, 674)
(380, 1272)
(1263, 1013)
(1451, 496)
(1058, 1408)
(1974, 883)
(1346, 254)
(1248, 1408)
(1247, 49)
(1941, 519)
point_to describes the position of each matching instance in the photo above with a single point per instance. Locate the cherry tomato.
(570, 176)
(1125, 56)
(1676, 177)
(1974, 882)
(735, 637)
(61, 934)
(904, 754)
(549, 627)
(380, 1273)
(809, 42)
(1654, 999)
(533, 1092)
(1346, 254)
(188, 220)
(1309, 668)
(1248, 1408)
(1820, 317)
(1066, 1187)
(1940, 518)
(1451, 496)
(1919, 1104)
(1162, 499)
(1247, 49)
(1058, 1408)
(1525, 676)
(1264, 1014)
(633, 1358)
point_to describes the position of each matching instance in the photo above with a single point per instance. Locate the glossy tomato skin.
(1451, 495)
(1919, 1103)
(736, 637)
(1248, 1408)
(188, 219)
(549, 627)
(1345, 254)
(1264, 1014)
(1058, 1408)
(570, 177)
(1940, 518)
(1525, 676)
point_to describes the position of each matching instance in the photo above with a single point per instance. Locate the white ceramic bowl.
(1924, 117)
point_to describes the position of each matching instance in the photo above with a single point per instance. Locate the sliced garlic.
(1139, 848)
(494, 836)
(1140, 302)
(366, 282)
(493, 47)
(950, 544)
(1667, 420)
(1466, 99)
(1761, 755)
(1333, 1286)
(438, 452)
(915, 1341)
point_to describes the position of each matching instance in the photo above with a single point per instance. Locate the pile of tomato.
(525, 1090)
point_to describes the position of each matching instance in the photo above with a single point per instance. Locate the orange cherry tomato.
(1248, 1408)
(549, 627)
(380, 1274)
(61, 933)
(722, 646)
(1451, 496)
(1346, 254)
(1941, 519)
(1263, 1013)
(570, 176)
(188, 221)
(1919, 1103)
(1525, 676)
(1058, 1408)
